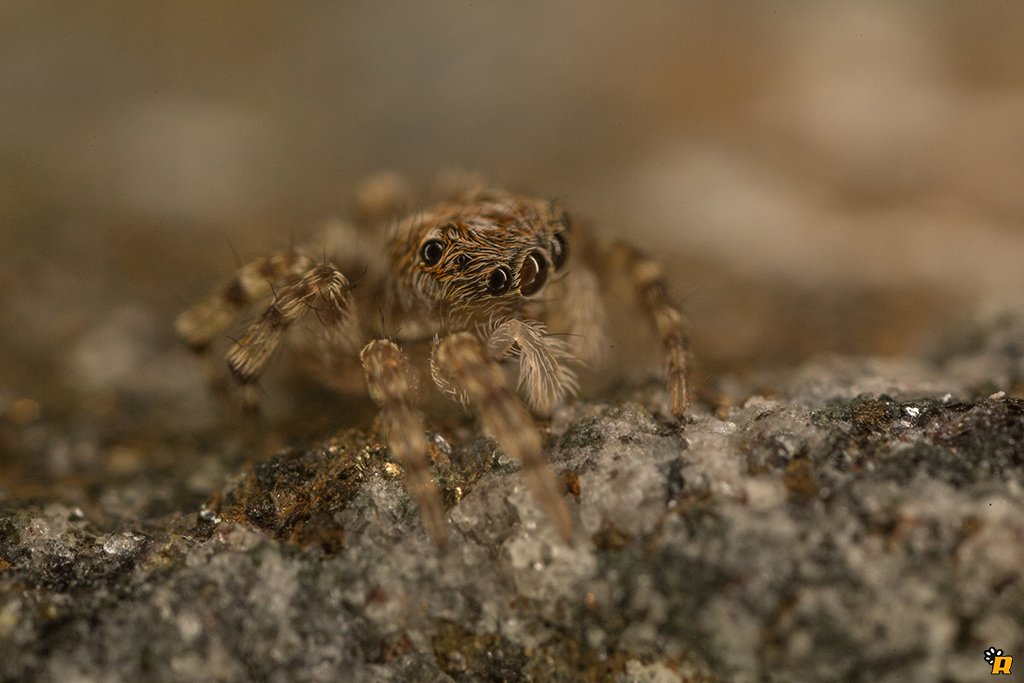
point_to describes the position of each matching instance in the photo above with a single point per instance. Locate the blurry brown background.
(819, 176)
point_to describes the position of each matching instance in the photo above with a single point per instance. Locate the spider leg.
(392, 386)
(579, 310)
(651, 291)
(381, 199)
(462, 362)
(337, 314)
(458, 185)
(544, 376)
(200, 324)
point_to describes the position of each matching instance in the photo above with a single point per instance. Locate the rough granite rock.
(852, 519)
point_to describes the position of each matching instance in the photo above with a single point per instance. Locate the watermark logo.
(1000, 662)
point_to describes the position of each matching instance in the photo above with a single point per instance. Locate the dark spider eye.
(533, 274)
(559, 250)
(499, 281)
(431, 252)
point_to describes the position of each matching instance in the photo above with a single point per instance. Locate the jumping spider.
(470, 287)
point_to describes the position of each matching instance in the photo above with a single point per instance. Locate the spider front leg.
(651, 289)
(579, 310)
(335, 311)
(461, 363)
(392, 386)
(201, 323)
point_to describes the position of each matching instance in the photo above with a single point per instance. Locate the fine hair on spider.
(478, 283)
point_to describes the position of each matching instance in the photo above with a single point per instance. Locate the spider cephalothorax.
(477, 282)
(484, 254)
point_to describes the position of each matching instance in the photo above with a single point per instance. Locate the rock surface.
(850, 519)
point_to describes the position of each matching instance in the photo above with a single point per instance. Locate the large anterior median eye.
(499, 281)
(533, 274)
(431, 252)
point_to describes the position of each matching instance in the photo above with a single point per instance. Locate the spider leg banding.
(651, 290)
(392, 386)
(321, 288)
(462, 358)
(201, 323)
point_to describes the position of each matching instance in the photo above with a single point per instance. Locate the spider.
(474, 287)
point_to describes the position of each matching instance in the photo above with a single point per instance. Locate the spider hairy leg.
(248, 358)
(462, 358)
(381, 199)
(581, 312)
(651, 288)
(392, 387)
(200, 324)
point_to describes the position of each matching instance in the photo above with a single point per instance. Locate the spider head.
(495, 251)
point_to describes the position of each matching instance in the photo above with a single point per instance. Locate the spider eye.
(559, 250)
(533, 274)
(431, 252)
(499, 281)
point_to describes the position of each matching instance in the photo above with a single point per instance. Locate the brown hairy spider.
(470, 286)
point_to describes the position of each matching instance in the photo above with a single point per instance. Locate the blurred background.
(818, 177)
